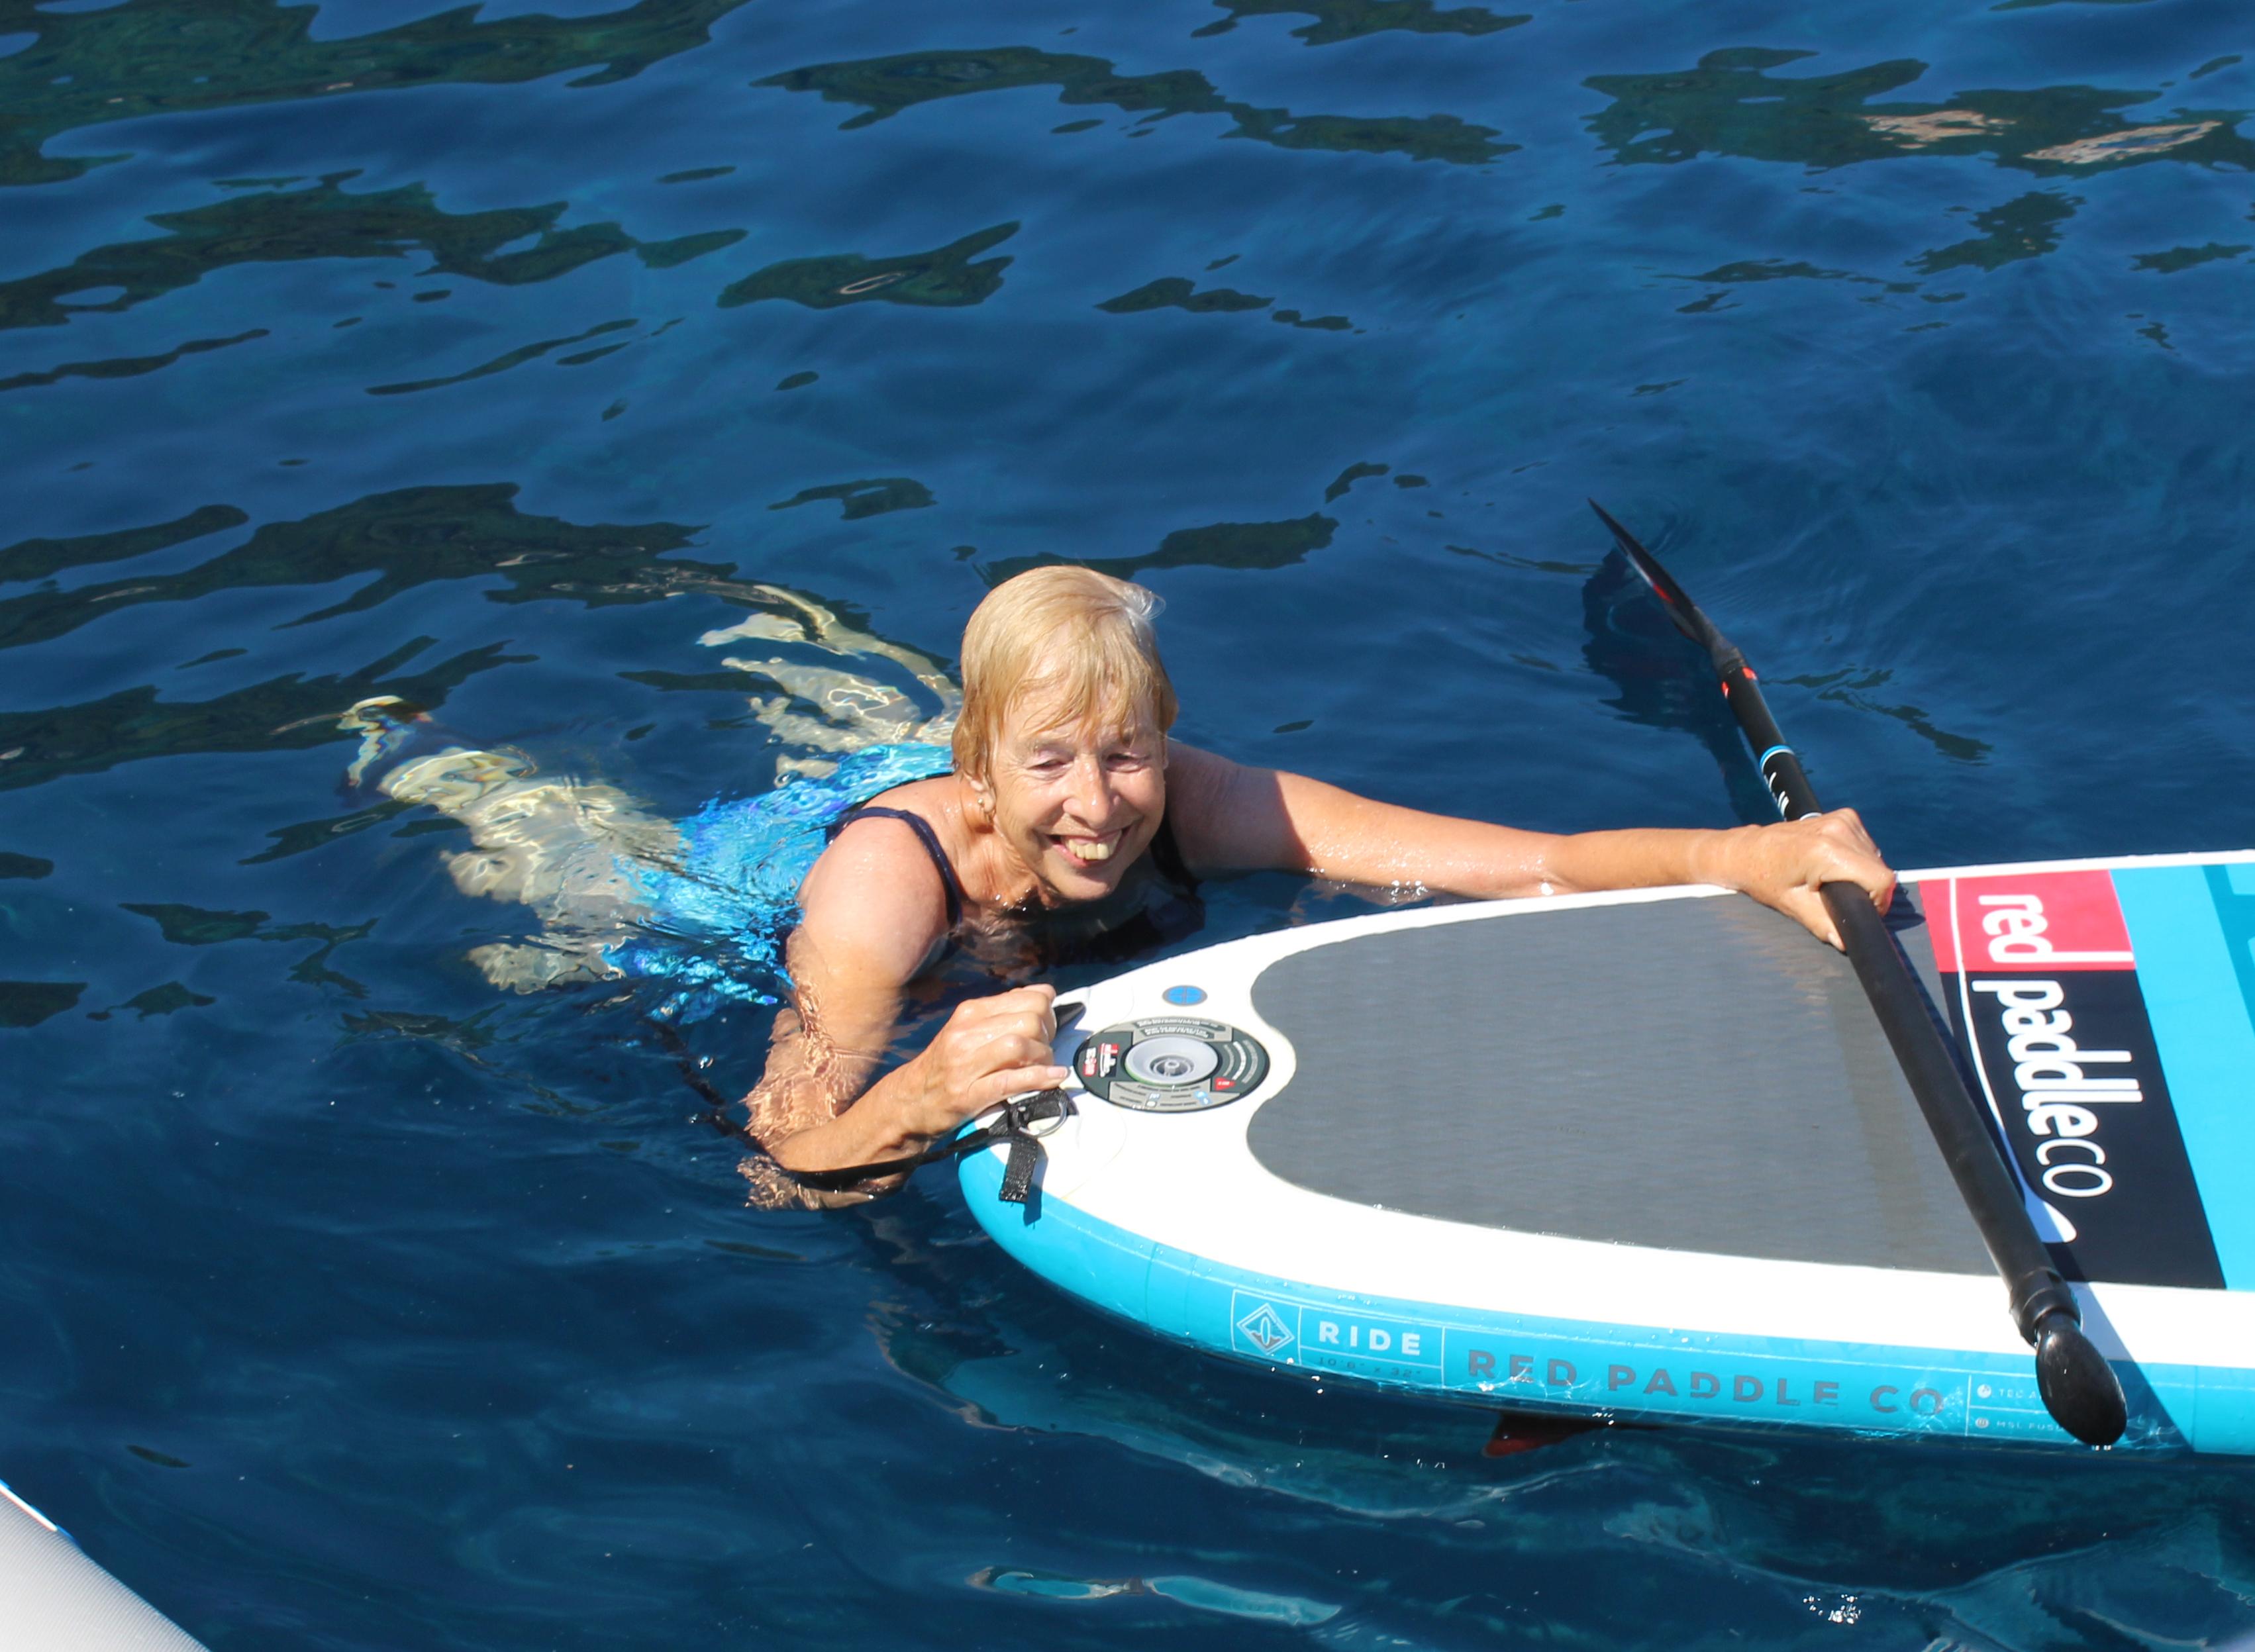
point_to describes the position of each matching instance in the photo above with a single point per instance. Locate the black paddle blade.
(1681, 609)
(1662, 679)
(2079, 1389)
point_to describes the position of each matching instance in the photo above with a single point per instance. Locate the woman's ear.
(982, 793)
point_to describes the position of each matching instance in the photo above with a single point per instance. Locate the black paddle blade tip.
(2079, 1388)
(1680, 608)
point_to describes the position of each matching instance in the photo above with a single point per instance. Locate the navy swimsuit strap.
(923, 828)
(1167, 858)
(1166, 854)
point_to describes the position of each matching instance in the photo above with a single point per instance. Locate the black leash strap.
(1014, 1123)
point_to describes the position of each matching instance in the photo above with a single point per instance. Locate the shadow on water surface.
(2025, 226)
(289, 712)
(519, 356)
(193, 927)
(1730, 104)
(872, 496)
(326, 220)
(31, 559)
(1853, 688)
(1173, 293)
(1338, 20)
(1243, 545)
(407, 538)
(131, 367)
(946, 276)
(163, 57)
(1667, 681)
(885, 86)
(29, 1003)
(1664, 680)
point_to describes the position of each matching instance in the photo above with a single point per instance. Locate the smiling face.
(1061, 742)
(1076, 803)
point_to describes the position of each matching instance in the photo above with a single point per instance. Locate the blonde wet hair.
(1081, 641)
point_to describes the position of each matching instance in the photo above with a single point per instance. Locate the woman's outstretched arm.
(1229, 815)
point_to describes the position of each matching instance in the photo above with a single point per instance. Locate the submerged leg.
(565, 848)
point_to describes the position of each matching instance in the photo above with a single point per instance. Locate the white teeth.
(1089, 848)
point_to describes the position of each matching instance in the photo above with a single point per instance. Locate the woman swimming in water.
(1068, 808)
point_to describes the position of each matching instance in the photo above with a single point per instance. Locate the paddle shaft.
(1906, 1014)
(2079, 1389)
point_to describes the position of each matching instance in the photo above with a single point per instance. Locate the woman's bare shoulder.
(874, 895)
(1209, 798)
(934, 799)
(1197, 773)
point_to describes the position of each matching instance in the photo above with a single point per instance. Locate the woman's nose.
(1090, 795)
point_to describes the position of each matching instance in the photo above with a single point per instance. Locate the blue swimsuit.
(717, 920)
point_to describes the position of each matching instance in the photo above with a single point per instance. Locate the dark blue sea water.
(655, 389)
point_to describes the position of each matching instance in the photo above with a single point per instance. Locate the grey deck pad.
(1695, 1075)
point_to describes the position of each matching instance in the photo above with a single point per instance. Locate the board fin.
(1517, 1431)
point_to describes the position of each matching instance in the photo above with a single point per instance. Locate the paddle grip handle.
(2079, 1387)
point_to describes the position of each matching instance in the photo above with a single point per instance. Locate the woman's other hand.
(991, 1049)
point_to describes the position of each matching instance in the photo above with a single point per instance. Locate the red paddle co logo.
(2020, 944)
(2043, 987)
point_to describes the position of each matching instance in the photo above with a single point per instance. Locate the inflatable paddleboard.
(1647, 1154)
(52, 1597)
